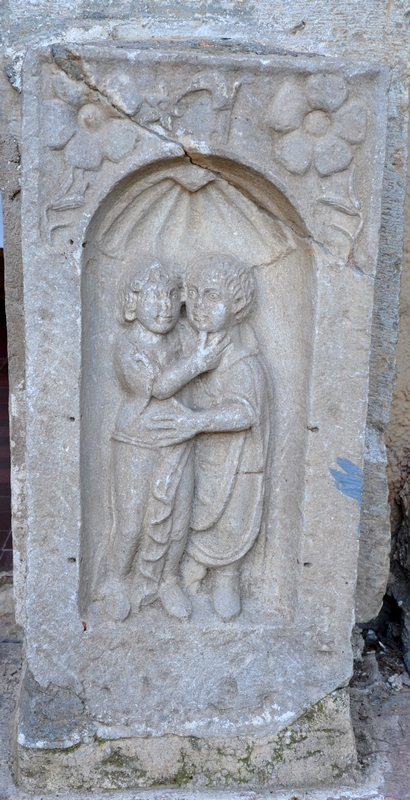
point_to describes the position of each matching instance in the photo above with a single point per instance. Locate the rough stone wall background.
(398, 431)
(373, 31)
(398, 449)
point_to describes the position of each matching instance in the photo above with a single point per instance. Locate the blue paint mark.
(350, 481)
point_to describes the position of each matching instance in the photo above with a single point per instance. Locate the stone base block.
(318, 748)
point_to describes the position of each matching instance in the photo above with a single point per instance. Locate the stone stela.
(205, 224)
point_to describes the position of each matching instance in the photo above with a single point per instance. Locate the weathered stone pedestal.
(201, 236)
(318, 749)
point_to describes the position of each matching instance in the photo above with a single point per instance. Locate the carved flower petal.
(350, 122)
(84, 151)
(288, 108)
(332, 155)
(295, 152)
(59, 124)
(120, 137)
(69, 90)
(326, 92)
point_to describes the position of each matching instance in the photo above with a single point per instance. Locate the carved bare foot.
(227, 593)
(116, 601)
(174, 600)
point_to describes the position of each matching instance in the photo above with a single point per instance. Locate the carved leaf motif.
(350, 206)
(195, 109)
(202, 110)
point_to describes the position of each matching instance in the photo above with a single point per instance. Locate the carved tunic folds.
(152, 494)
(229, 467)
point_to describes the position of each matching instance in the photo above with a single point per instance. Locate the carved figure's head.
(151, 294)
(220, 292)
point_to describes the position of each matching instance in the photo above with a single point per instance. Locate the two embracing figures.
(189, 448)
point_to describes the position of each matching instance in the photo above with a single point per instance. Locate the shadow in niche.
(178, 211)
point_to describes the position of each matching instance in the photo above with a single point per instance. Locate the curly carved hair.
(149, 270)
(234, 275)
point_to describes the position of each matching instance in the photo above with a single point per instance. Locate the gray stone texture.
(102, 155)
(382, 729)
(374, 551)
(13, 281)
(373, 32)
(350, 32)
(318, 748)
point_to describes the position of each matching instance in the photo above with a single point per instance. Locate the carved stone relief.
(205, 224)
(180, 465)
(314, 126)
(320, 128)
(197, 462)
(85, 130)
(186, 215)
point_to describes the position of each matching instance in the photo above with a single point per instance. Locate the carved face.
(158, 306)
(209, 304)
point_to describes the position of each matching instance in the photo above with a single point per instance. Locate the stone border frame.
(71, 359)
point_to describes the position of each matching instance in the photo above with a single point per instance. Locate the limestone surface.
(372, 31)
(205, 222)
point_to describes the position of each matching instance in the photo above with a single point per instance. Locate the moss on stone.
(307, 747)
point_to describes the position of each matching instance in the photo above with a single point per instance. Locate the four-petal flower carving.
(318, 123)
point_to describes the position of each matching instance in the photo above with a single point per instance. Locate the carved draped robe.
(152, 484)
(230, 467)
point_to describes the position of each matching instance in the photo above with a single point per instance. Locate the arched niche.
(178, 211)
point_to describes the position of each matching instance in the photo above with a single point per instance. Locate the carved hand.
(208, 352)
(175, 425)
(205, 356)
